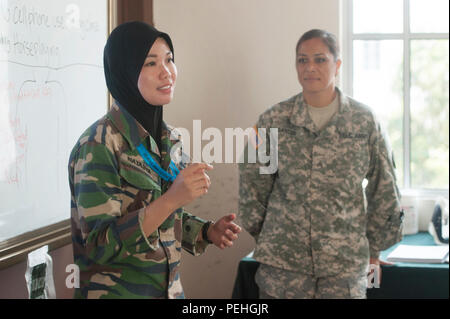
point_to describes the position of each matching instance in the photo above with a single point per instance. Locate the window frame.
(347, 38)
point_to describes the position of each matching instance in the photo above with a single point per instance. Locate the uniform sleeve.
(384, 224)
(108, 237)
(192, 226)
(254, 186)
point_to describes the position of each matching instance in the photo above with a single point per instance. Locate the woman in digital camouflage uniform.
(315, 226)
(128, 224)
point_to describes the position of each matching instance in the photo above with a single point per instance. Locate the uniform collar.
(135, 134)
(341, 120)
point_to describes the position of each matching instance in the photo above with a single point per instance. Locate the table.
(402, 280)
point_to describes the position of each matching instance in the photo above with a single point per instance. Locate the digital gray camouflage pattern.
(110, 187)
(284, 284)
(311, 216)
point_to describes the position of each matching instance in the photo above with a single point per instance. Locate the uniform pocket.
(352, 157)
(139, 180)
(136, 172)
(140, 186)
(350, 163)
(294, 163)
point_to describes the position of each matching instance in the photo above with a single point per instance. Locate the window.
(396, 58)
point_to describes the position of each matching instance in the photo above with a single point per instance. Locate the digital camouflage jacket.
(313, 214)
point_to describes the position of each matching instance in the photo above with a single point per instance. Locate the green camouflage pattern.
(110, 187)
(313, 216)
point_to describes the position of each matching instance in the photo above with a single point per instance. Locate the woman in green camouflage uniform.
(316, 227)
(128, 182)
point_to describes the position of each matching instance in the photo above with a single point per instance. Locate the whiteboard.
(52, 88)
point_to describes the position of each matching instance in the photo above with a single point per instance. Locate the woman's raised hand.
(191, 183)
(224, 231)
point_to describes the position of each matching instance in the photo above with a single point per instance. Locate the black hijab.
(123, 58)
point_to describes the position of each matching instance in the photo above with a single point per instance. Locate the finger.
(226, 242)
(230, 217)
(200, 184)
(202, 167)
(208, 179)
(230, 235)
(209, 167)
(196, 178)
(230, 231)
(199, 177)
(191, 169)
(235, 228)
(201, 191)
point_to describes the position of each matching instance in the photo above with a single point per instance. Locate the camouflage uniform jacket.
(313, 216)
(110, 187)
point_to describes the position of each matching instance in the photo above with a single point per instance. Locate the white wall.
(235, 59)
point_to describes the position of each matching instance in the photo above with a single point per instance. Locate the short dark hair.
(327, 38)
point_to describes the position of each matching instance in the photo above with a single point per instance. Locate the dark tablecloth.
(402, 280)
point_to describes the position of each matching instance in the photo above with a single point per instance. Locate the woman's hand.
(375, 264)
(223, 232)
(191, 183)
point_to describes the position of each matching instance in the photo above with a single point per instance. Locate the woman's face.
(158, 74)
(316, 68)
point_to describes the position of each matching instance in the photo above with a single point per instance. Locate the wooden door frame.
(134, 10)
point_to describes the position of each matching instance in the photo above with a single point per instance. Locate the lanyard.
(155, 166)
